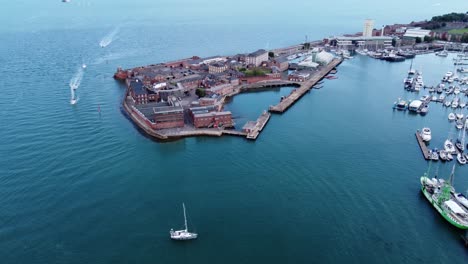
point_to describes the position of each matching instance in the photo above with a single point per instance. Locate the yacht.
(183, 234)
(447, 103)
(451, 116)
(462, 104)
(448, 146)
(459, 116)
(426, 134)
(459, 124)
(454, 103)
(456, 90)
(449, 156)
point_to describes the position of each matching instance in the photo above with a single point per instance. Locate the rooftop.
(257, 53)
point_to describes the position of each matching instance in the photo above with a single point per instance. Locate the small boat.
(441, 97)
(443, 155)
(451, 116)
(459, 116)
(462, 104)
(424, 110)
(448, 146)
(434, 155)
(456, 90)
(454, 103)
(459, 145)
(449, 156)
(426, 134)
(183, 234)
(439, 90)
(442, 53)
(434, 98)
(461, 159)
(459, 124)
(83, 66)
(462, 199)
(400, 105)
(447, 103)
(424, 98)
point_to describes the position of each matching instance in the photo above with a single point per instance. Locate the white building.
(368, 27)
(370, 43)
(416, 33)
(256, 58)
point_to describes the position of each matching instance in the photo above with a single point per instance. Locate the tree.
(428, 39)
(464, 38)
(200, 92)
(271, 54)
(418, 40)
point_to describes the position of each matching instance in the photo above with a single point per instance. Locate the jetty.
(260, 124)
(304, 87)
(423, 146)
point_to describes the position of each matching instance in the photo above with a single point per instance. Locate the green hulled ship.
(442, 196)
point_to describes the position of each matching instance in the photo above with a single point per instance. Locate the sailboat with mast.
(441, 194)
(183, 234)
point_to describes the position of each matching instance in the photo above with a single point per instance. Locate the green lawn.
(460, 31)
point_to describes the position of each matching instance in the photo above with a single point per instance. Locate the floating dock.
(304, 88)
(423, 146)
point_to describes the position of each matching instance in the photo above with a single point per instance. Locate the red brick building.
(254, 79)
(213, 119)
(168, 117)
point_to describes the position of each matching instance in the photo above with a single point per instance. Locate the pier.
(304, 88)
(423, 146)
(261, 122)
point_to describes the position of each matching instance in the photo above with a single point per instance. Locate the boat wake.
(75, 82)
(109, 38)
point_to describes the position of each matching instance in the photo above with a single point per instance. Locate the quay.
(423, 146)
(305, 87)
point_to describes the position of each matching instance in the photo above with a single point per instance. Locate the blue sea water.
(335, 179)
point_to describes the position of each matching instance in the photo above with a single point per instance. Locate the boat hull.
(437, 207)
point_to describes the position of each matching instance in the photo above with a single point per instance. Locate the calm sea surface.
(335, 179)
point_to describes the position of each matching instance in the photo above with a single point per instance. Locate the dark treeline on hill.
(441, 21)
(452, 17)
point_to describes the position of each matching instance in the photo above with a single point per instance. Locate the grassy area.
(460, 31)
(255, 72)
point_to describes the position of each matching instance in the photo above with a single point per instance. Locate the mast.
(185, 217)
(452, 175)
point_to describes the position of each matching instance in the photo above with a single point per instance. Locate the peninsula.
(186, 97)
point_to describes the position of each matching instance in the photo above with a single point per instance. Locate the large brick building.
(140, 94)
(213, 119)
(168, 117)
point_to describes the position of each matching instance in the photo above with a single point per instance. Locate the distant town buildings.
(368, 28)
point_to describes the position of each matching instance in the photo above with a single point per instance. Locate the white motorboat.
(459, 124)
(462, 104)
(461, 199)
(441, 97)
(461, 159)
(449, 74)
(183, 234)
(449, 147)
(447, 103)
(456, 90)
(426, 134)
(451, 116)
(459, 116)
(454, 103)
